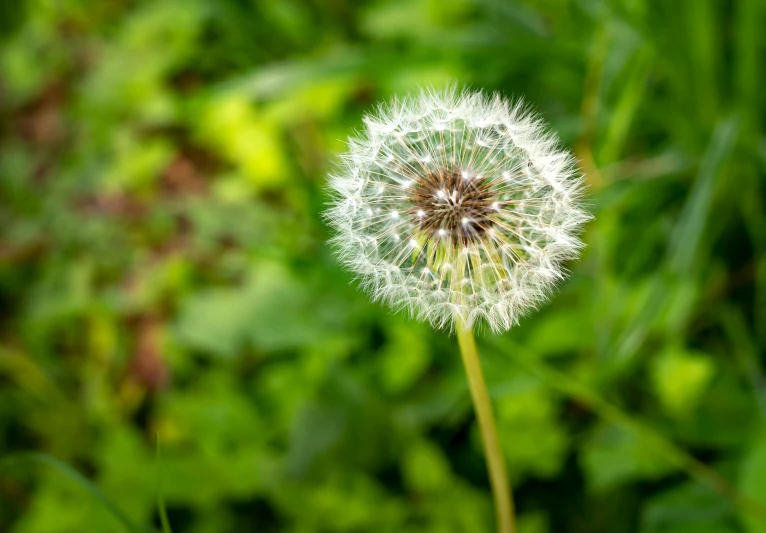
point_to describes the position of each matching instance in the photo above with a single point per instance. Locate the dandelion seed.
(502, 204)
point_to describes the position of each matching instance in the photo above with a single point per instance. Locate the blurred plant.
(161, 271)
(460, 208)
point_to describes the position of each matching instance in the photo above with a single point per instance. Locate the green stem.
(498, 477)
(682, 459)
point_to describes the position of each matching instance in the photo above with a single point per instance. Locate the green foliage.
(163, 270)
(611, 457)
(680, 379)
(678, 509)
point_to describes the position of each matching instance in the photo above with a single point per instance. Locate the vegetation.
(164, 274)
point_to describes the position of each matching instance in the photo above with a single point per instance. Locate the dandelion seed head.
(483, 205)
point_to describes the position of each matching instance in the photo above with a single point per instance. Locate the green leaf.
(270, 312)
(680, 378)
(405, 357)
(533, 442)
(611, 457)
(425, 468)
(559, 333)
(215, 321)
(317, 428)
(690, 507)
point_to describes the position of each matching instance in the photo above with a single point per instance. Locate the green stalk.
(498, 477)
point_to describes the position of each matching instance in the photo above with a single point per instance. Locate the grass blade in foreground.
(161, 509)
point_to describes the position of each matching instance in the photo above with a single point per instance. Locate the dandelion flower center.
(448, 200)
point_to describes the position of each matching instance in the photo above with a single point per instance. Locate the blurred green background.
(164, 272)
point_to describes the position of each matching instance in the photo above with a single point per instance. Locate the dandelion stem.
(498, 477)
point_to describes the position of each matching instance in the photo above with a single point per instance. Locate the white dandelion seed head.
(482, 203)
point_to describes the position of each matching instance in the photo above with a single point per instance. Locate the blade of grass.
(589, 107)
(747, 352)
(753, 209)
(79, 479)
(163, 512)
(701, 27)
(625, 109)
(686, 240)
(685, 243)
(748, 61)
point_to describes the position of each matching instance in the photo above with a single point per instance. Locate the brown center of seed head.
(451, 204)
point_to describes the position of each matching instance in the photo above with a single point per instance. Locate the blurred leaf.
(271, 312)
(517, 14)
(344, 503)
(231, 125)
(394, 19)
(316, 429)
(689, 507)
(611, 457)
(559, 333)
(12, 17)
(345, 421)
(680, 378)
(220, 438)
(137, 163)
(533, 523)
(532, 440)
(425, 469)
(215, 320)
(404, 358)
(298, 320)
(415, 20)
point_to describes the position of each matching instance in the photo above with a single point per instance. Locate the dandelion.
(460, 208)
(486, 194)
